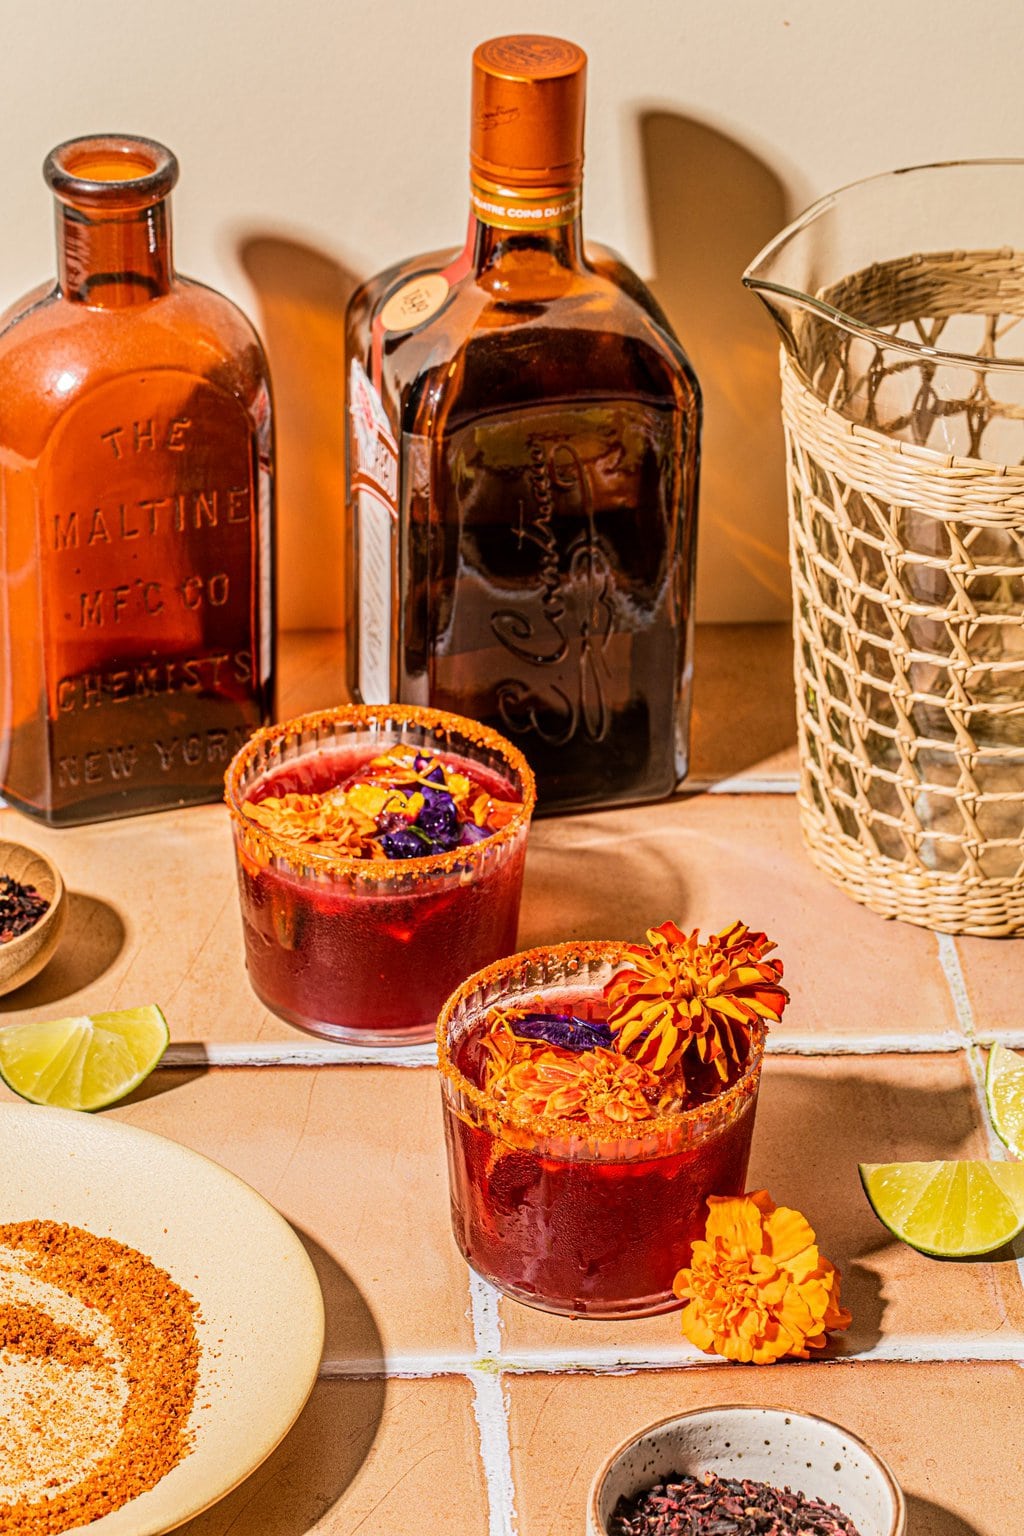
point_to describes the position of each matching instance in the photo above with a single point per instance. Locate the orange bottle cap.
(529, 95)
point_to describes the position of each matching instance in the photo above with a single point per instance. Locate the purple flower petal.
(563, 1029)
(471, 833)
(406, 843)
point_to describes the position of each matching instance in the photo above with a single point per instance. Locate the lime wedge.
(952, 1210)
(1004, 1095)
(85, 1062)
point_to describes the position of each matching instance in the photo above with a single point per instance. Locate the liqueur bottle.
(136, 464)
(522, 467)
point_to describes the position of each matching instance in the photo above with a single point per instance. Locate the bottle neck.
(114, 259)
(512, 233)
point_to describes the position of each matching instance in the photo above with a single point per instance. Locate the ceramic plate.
(262, 1317)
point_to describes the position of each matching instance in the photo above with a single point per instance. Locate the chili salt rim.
(557, 1127)
(302, 856)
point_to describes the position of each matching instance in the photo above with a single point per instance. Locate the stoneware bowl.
(768, 1445)
(24, 957)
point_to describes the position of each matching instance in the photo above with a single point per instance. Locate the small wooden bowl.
(23, 957)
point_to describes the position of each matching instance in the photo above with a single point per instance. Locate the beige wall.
(319, 141)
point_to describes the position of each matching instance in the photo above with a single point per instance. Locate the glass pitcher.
(900, 304)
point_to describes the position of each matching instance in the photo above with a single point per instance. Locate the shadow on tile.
(583, 881)
(810, 1134)
(310, 1470)
(927, 1519)
(351, 1335)
(164, 1079)
(329, 1442)
(93, 937)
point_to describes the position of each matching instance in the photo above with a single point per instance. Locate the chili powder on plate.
(99, 1364)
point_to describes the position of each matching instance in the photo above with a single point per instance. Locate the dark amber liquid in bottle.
(538, 575)
(136, 464)
(548, 439)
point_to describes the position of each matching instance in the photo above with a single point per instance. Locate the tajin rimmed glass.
(366, 950)
(557, 1213)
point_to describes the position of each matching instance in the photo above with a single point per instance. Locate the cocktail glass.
(560, 1214)
(367, 950)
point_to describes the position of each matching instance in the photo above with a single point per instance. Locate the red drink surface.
(330, 955)
(589, 1238)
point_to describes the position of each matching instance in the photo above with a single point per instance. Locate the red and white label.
(375, 483)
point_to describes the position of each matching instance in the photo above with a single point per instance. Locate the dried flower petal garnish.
(758, 1288)
(594, 1086)
(403, 804)
(562, 1029)
(317, 819)
(673, 995)
(680, 993)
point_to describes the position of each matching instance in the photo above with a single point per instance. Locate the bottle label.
(375, 486)
(415, 302)
(153, 560)
(505, 210)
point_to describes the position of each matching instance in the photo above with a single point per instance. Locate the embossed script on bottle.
(543, 556)
(565, 644)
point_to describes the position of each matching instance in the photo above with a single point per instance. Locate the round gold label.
(414, 302)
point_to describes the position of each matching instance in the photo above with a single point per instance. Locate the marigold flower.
(679, 993)
(757, 1287)
(539, 1079)
(317, 819)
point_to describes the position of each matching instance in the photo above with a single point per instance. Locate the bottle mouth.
(110, 170)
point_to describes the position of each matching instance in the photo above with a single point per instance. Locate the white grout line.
(949, 959)
(1013, 1039)
(740, 784)
(485, 1301)
(300, 1053)
(781, 1044)
(271, 1053)
(911, 1349)
(491, 1409)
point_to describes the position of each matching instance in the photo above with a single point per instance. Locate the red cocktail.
(343, 937)
(579, 1170)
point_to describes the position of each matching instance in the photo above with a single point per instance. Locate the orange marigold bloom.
(679, 993)
(757, 1287)
(317, 819)
(540, 1079)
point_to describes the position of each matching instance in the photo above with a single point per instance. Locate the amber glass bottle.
(136, 469)
(523, 456)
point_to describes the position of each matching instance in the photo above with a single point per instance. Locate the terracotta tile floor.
(441, 1407)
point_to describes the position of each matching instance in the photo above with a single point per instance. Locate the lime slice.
(85, 1062)
(952, 1210)
(1004, 1095)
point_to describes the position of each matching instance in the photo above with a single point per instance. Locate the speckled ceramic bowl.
(23, 957)
(768, 1445)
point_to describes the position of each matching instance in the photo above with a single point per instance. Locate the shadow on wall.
(301, 293)
(712, 205)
